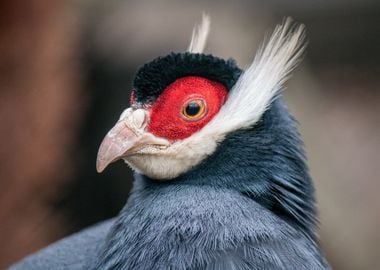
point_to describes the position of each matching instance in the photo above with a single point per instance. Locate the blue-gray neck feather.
(267, 164)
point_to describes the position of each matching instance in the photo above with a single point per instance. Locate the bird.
(220, 174)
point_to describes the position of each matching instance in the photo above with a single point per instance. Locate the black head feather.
(152, 78)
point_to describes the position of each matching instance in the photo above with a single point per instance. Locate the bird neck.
(265, 163)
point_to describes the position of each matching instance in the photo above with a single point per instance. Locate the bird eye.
(193, 110)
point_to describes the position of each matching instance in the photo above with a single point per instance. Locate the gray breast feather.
(75, 252)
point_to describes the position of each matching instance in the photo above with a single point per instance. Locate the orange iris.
(193, 110)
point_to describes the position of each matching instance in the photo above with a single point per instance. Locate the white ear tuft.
(259, 84)
(199, 36)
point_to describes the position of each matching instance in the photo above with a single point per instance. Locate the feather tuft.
(199, 36)
(260, 83)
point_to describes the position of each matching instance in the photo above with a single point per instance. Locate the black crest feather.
(152, 78)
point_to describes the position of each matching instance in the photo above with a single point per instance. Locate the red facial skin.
(166, 118)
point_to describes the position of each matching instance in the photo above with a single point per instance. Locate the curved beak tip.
(114, 146)
(108, 153)
(100, 167)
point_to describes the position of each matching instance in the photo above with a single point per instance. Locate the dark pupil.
(192, 108)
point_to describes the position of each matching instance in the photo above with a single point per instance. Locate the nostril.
(125, 113)
(139, 117)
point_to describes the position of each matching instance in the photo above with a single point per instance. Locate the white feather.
(199, 36)
(246, 103)
(259, 84)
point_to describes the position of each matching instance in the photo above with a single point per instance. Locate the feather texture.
(259, 84)
(199, 36)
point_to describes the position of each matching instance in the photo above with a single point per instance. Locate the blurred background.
(65, 76)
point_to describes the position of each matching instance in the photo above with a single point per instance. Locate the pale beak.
(126, 138)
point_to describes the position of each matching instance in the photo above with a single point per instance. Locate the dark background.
(65, 76)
